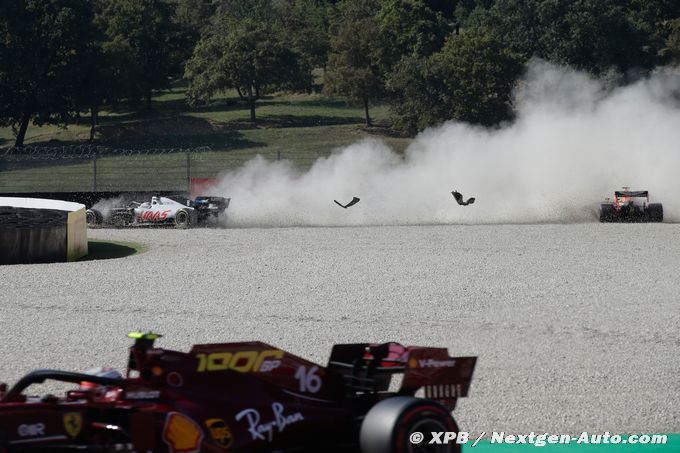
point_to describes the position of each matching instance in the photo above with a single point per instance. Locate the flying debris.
(354, 201)
(459, 198)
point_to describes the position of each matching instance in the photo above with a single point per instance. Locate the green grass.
(297, 127)
(222, 123)
(104, 250)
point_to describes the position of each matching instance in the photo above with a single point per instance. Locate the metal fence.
(97, 169)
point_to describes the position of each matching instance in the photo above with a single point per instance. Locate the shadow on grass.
(167, 108)
(180, 136)
(157, 128)
(384, 129)
(331, 103)
(180, 105)
(282, 121)
(161, 107)
(104, 250)
(225, 141)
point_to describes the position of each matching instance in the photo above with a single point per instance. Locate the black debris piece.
(459, 198)
(354, 201)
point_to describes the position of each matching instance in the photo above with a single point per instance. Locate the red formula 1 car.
(243, 397)
(630, 206)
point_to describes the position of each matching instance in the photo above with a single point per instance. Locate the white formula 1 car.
(161, 211)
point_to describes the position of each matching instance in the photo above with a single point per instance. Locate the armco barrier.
(89, 199)
(41, 231)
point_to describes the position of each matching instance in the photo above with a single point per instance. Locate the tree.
(596, 36)
(659, 20)
(470, 79)
(473, 13)
(479, 74)
(42, 43)
(671, 51)
(306, 23)
(142, 42)
(591, 35)
(191, 18)
(369, 39)
(94, 83)
(408, 28)
(193, 15)
(520, 24)
(245, 50)
(353, 68)
(417, 99)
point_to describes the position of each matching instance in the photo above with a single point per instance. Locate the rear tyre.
(655, 212)
(182, 219)
(93, 218)
(389, 425)
(607, 212)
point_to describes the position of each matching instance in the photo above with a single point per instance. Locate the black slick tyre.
(389, 425)
(182, 219)
(607, 213)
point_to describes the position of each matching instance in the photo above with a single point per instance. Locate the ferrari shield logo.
(73, 423)
(221, 433)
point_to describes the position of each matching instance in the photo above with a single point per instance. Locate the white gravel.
(576, 326)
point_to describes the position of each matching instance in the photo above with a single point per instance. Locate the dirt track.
(576, 326)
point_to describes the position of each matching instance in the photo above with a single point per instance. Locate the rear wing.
(221, 203)
(632, 193)
(441, 376)
(368, 368)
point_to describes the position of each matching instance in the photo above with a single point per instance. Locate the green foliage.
(370, 38)
(62, 57)
(408, 28)
(193, 15)
(43, 43)
(672, 49)
(418, 90)
(244, 49)
(191, 18)
(479, 74)
(470, 80)
(353, 68)
(142, 43)
(305, 25)
(597, 36)
(654, 19)
(473, 15)
(660, 21)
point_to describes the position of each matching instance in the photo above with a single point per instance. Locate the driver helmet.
(154, 200)
(100, 372)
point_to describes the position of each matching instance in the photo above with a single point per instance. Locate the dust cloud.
(573, 142)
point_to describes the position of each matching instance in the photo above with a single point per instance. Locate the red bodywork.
(218, 397)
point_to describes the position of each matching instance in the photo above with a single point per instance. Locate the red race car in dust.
(243, 397)
(630, 206)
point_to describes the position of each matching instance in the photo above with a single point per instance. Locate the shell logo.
(182, 434)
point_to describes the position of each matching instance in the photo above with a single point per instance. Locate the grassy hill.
(296, 127)
(285, 122)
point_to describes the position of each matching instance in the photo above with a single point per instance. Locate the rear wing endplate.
(443, 378)
(368, 368)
